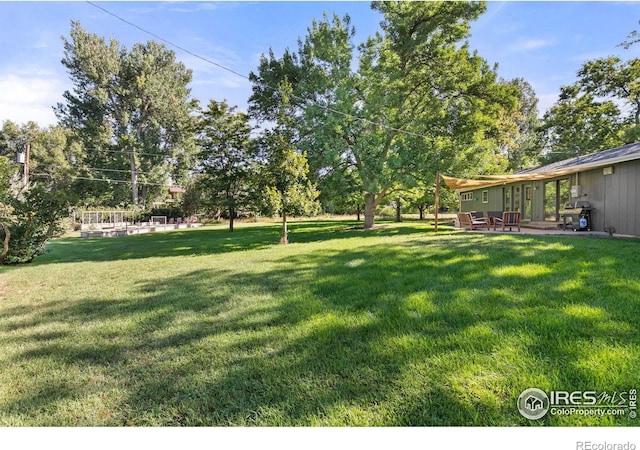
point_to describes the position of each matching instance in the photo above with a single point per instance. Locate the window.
(507, 198)
(485, 196)
(551, 200)
(466, 196)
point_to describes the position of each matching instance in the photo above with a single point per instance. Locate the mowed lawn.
(396, 326)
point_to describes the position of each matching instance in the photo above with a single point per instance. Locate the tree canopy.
(420, 99)
(227, 158)
(130, 109)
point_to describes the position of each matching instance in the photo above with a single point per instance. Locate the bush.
(32, 219)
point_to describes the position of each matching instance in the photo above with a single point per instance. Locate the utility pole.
(435, 227)
(23, 158)
(26, 165)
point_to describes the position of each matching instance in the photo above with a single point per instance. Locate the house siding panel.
(629, 197)
(612, 199)
(592, 183)
(537, 202)
(494, 204)
(596, 197)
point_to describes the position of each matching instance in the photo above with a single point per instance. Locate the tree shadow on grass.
(438, 333)
(206, 241)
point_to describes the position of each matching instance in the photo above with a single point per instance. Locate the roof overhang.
(461, 184)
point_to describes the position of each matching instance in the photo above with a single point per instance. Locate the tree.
(30, 213)
(579, 122)
(7, 171)
(519, 137)
(284, 176)
(130, 109)
(612, 78)
(419, 101)
(227, 157)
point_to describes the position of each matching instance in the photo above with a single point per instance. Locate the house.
(175, 192)
(607, 182)
(533, 403)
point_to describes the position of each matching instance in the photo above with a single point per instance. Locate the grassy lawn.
(396, 326)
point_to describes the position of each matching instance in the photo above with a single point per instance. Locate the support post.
(435, 227)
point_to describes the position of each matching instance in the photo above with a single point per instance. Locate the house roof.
(569, 166)
(176, 190)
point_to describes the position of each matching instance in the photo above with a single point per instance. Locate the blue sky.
(542, 42)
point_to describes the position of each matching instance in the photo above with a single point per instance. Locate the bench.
(468, 221)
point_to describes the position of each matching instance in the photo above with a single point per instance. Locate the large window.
(507, 198)
(551, 200)
(557, 195)
(565, 194)
(526, 202)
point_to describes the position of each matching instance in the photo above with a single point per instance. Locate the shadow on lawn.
(207, 241)
(436, 333)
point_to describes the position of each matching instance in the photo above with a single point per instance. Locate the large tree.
(227, 158)
(519, 136)
(130, 109)
(419, 101)
(614, 79)
(599, 111)
(578, 122)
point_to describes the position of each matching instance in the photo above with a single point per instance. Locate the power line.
(209, 61)
(166, 41)
(106, 180)
(108, 170)
(127, 152)
(118, 181)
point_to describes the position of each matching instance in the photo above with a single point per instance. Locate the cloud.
(30, 96)
(546, 101)
(532, 44)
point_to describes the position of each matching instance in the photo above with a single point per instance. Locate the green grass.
(395, 326)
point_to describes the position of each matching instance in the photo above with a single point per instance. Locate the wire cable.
(209, 61)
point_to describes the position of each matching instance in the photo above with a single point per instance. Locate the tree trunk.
(143, 196)
(358, 212)
(232, 213)
(5, 245)
(134, 179)
(398, 211)
(421, 209)
(284, 239)
(369, 210)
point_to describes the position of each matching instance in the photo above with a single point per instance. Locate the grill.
(579, 219)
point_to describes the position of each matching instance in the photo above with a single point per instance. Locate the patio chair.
(492, 215)
(509, 219)
(468, 221)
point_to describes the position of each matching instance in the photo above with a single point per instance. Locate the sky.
(543, 42)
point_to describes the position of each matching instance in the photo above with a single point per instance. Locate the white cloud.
(30, 96)
(546, 101)
(532, 44)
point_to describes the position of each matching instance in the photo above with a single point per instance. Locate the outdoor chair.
(509, 219)
(493, 215)
(468, 221)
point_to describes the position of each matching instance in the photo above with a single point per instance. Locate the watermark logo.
(533, 403)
